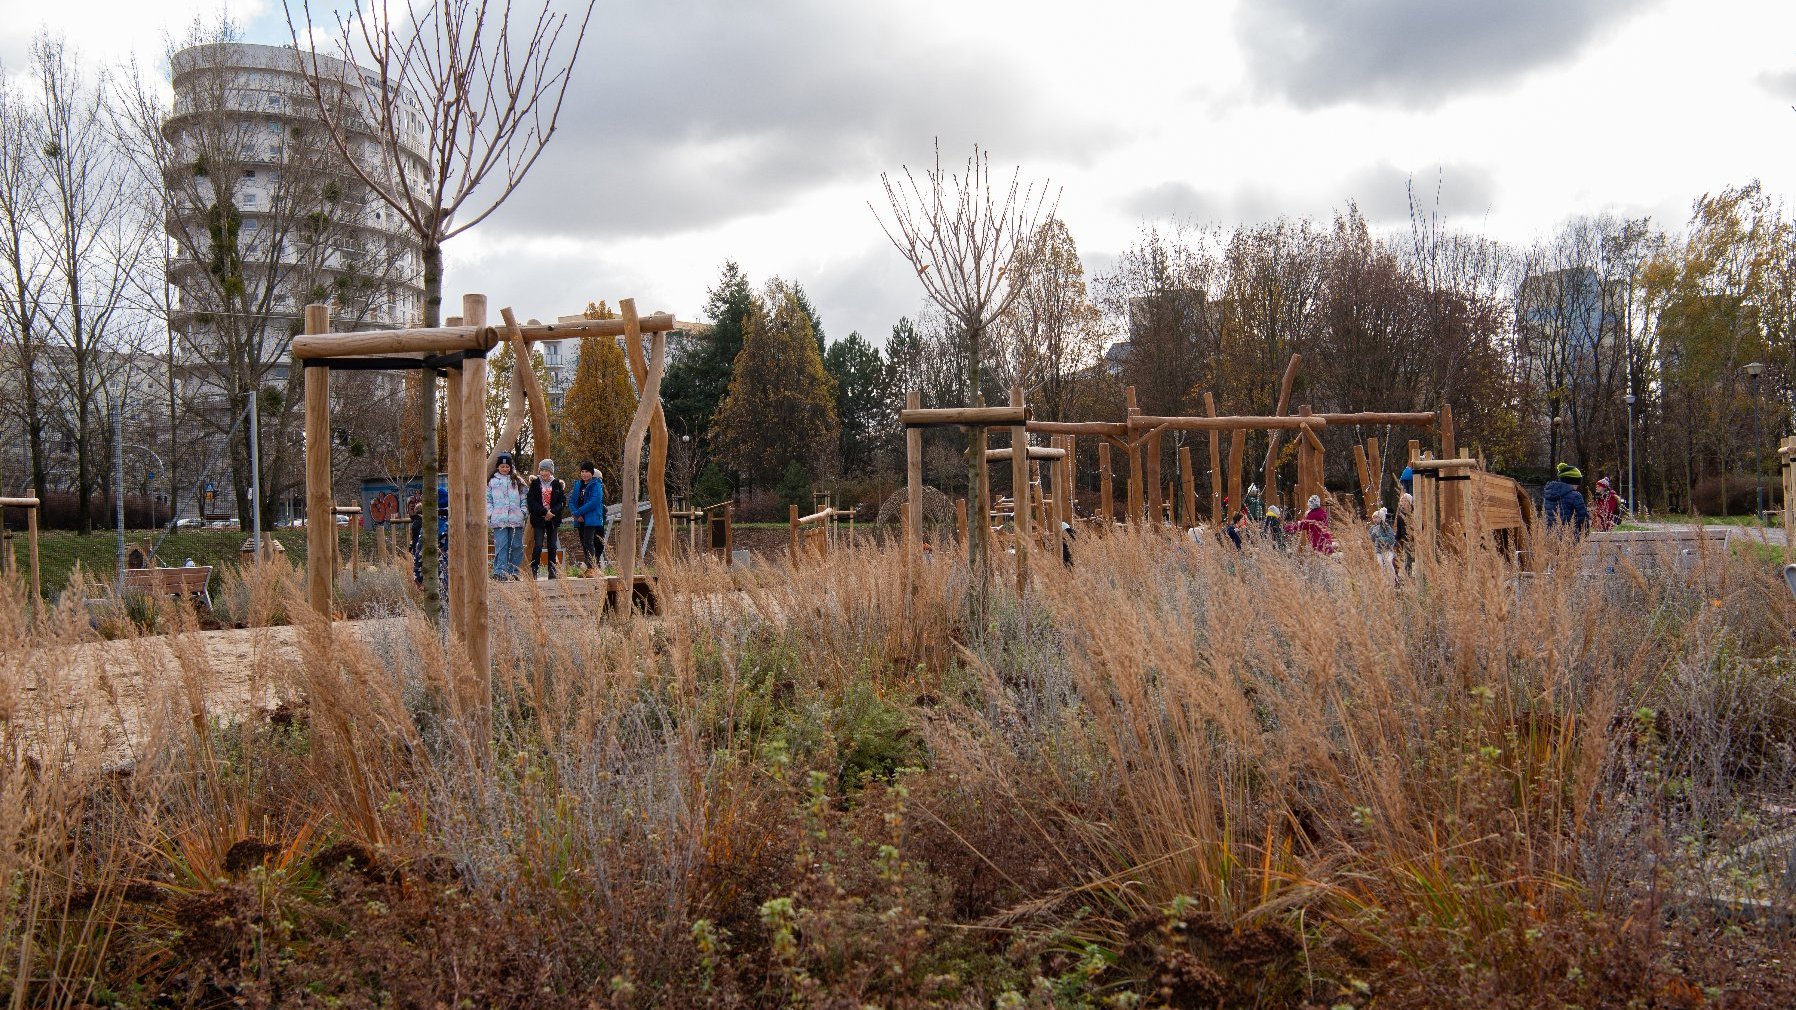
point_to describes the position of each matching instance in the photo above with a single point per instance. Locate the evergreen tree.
(795, 487)
(863, 399)
(595, 412)
(698, 378)
(780, 405)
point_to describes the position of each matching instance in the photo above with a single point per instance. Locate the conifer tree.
(780, 406)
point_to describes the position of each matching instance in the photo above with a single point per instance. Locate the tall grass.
(1172, 773)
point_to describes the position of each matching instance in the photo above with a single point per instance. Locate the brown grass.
(1172, 775)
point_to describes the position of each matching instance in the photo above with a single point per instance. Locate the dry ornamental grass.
(1171, 775)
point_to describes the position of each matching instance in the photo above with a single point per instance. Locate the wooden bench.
(191, 581)
(1650, 550)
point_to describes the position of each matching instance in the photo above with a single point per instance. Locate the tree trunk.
(427, 429)
(34, 431)
(978, 490)
(84, 484)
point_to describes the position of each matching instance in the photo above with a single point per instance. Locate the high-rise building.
(251, 160)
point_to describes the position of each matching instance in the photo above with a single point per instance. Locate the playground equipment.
(30, 505)
(457, 353)
(815, 534)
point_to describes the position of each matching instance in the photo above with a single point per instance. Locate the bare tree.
(973, 246)
(264, 216)
(95, 229)
(26, 274)
(453, 82)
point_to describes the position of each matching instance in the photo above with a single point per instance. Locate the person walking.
(1564, 503)
(505, 514)
(547, 500)
(587, 505)
(1384, 540)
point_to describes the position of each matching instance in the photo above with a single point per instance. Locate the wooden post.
(1069, 470)
(648, 398)
(1237, 448)
(1215, 463)
(913, 480)
(1189, 480)
(1375, 463)
(1156, 496)
(792, 534)
(37, 591)
(960, 521)
(1106, 486)
(1134, 452)
(1270, 480)
(657, 476)
(454, 399)
(1368, 494)
(355, 547)
(321, 526)
(1019, 483)
(472, 523)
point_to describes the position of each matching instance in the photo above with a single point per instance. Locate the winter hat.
(1253, 489)
(1315, 502)
(546, 465)
(1380, 515)
(1272, 512)
(504, 457)
(1568, 472)
(588, 467)
(1409, 475)
(1603, 483)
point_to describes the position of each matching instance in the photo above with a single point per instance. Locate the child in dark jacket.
(547, 501)
(1564, 503)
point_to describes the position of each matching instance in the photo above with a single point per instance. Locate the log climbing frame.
(457, 354)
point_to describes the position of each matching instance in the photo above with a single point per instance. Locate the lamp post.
(1632, 507)
(1756, 369)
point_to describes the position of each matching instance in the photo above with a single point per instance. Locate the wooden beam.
(1368, 493)
(1237, 448)
(1035, 452)
(320, 530)
(648, 395)
(1151, 474)
(1412, 420)
(792, 534)
(1440, 464)
(1135, 490)
(1114, 428)
(454, 399)
(460, 336)
(1141, 422)
(936, 417)
(517, 401)
(18, 503)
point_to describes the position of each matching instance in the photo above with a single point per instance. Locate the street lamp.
(1756, 369)
(1632, 507)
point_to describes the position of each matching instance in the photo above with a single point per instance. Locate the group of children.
(1564, 504)
(544, 501)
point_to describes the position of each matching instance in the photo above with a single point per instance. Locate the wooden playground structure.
(457, 353)
(1455, 501)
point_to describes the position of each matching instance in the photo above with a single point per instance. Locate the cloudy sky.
(704, 130)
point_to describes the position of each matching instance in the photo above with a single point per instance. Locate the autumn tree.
(780, 406)
(499, 366)
(596, 410)
(1053, 332)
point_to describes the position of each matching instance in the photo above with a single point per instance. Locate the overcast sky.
(704, 130)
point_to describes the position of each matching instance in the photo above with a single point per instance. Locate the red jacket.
(1314, 527)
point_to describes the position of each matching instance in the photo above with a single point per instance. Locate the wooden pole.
(1134, 453)
(938, 417)
(663, 544)
(321, 526)
(1215, 463)
(1306, 468)
(960, 520)
(1237, 448)
(1019, 483)
(648, 397)
(1189, 480)
(913, 479)
(472, 524)
(1106, 486)
(1151, 475)
(792, 534)
(1375, 463)
(1069, 469)
(1368, 493)
(37, 591)
(454, 400)
(1284, 402)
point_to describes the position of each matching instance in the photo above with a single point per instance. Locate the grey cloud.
(687, 114)
(1412, 52)
(1381, 191)
(1780, 85)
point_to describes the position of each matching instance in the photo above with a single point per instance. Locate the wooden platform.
(554, 591)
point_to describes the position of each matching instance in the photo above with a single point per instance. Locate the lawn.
(59, 551)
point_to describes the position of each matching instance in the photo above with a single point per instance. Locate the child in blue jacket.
(587, 504)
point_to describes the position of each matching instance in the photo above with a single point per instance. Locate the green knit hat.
(1568, 472)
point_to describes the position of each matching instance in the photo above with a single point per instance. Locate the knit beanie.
(547, 465)
(1315, 501)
